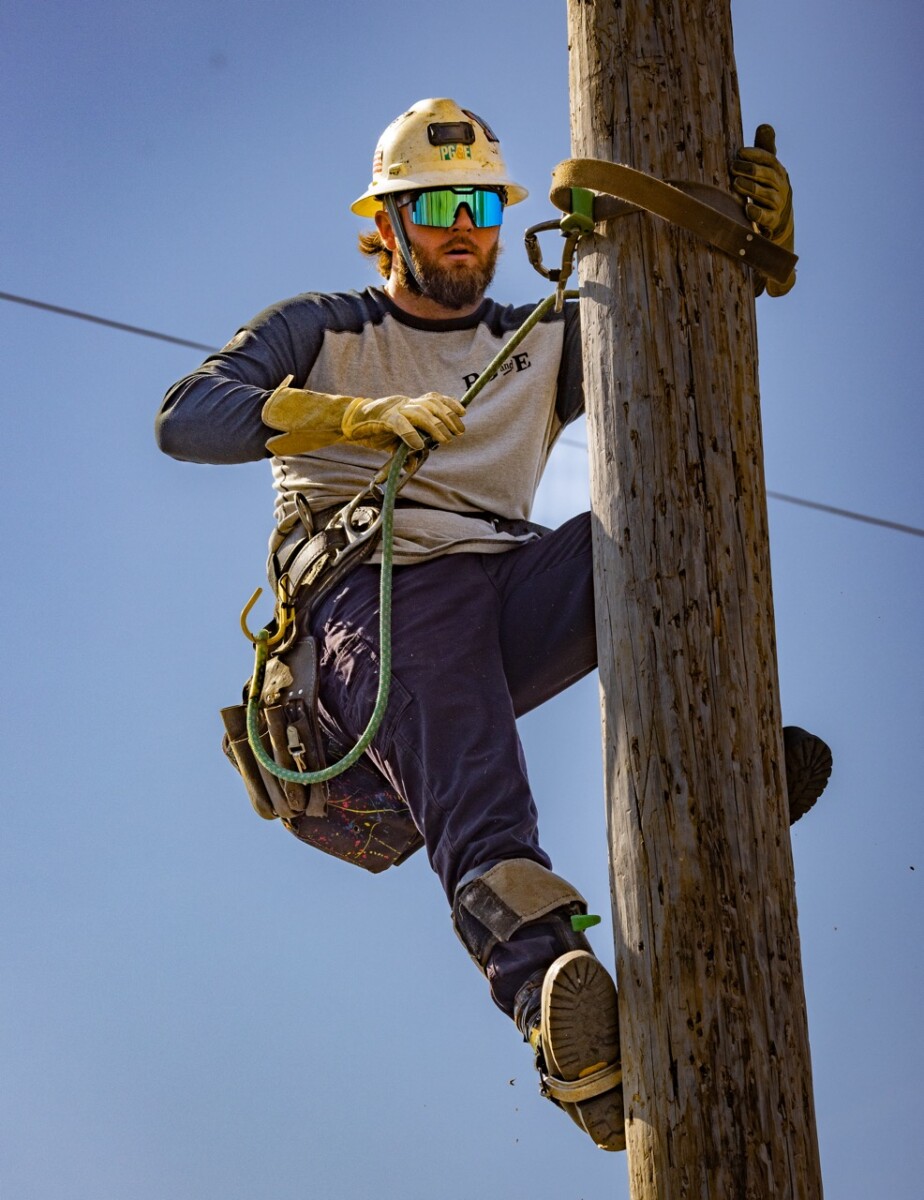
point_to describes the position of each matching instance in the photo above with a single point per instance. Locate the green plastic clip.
(581, 217)
(581, 922)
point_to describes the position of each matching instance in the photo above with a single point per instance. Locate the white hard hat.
(436, 144)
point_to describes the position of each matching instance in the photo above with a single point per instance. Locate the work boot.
(570, 1018)
(808, 768)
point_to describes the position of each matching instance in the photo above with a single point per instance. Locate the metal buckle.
(296, 748)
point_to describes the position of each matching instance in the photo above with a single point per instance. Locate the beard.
(452, 287)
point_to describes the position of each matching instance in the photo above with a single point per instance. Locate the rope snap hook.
(572, 226)
(283, 616)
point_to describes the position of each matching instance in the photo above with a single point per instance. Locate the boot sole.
(808, 768)
(580, 1031)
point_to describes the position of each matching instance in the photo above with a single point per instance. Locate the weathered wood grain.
(716, 1057)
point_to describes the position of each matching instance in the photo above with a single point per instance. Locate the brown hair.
(371, 243)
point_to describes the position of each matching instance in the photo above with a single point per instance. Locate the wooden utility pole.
(717, 1075)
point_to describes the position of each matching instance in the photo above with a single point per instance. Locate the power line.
(846, 512)
(83, 316)
(828, 508)
(177, 341)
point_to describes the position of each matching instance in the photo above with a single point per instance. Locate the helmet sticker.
(488, 131)
(448, 153)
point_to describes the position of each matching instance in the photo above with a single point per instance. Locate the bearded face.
(454, 282)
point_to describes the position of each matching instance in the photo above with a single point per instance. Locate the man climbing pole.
(490, 614)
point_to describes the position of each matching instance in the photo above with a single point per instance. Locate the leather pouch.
(263, 788)
(356, 816)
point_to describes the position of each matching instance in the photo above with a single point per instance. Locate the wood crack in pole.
(717, 1075)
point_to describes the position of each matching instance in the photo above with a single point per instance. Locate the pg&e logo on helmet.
(455, 152)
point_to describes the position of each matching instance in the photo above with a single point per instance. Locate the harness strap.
(707, 212)
(300, 550)
(296, 558)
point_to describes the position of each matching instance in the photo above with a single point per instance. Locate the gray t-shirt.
(361, 344)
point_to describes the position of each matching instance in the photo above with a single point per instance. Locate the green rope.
(392, 486)
(496, 362)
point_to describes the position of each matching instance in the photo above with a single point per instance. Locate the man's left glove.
(759, 176)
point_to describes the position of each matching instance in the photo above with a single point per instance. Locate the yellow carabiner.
(285, 611)
(246, 613)
(284, 616)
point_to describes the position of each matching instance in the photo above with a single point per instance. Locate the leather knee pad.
(492, 906)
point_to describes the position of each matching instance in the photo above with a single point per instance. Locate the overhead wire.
(140, 331)
(828, 508)
(846, 512)
(85, 316)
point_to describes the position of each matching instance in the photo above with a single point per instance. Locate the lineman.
(491, 615)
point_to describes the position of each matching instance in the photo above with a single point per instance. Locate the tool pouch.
(356, 816)
(366, 821)
(261, 786)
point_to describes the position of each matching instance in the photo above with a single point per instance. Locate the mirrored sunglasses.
(439, 207)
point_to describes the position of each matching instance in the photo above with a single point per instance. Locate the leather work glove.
(380, 424)
(310, 420)
(759, 176)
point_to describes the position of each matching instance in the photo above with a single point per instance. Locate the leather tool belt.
(357, 816)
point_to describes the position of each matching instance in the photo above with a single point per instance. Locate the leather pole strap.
(707, 212)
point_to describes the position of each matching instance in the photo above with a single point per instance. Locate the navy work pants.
(477, 640)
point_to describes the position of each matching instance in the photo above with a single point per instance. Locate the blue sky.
(194, 1005)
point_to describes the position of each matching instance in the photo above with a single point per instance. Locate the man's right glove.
(310, 420)
(379, 424)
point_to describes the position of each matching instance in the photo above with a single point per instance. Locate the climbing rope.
(391, 476)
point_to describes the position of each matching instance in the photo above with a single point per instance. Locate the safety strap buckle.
(360, 519)
(581, 217)
(296, 748)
